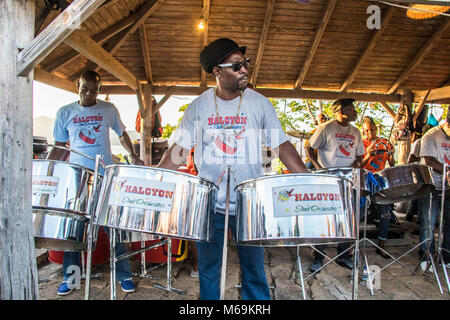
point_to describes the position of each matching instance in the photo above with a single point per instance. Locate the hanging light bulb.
(201, 24)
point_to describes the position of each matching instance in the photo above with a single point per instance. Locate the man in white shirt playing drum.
(339, 144)
(435, 152)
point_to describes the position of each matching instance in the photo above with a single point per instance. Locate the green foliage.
(168, 129)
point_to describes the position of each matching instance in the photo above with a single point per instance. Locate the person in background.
(435, 152)
(320, 118)
(338, 144)
(378, 152)
(85, 124)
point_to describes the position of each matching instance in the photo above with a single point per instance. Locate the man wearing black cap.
(339, 144)
(228, 125)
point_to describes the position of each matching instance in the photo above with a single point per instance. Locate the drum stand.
(169, 271)
(225, 239)
(356, 245)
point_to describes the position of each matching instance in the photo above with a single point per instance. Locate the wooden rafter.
(262, 41)
(166, 97)
(54, 34)
(93, 51)
(53, 80)
(206, 10)
(368, 49)
(387, 108)
(420, 107)
(101, 38)
(434, 95)
(317, 38)
(421, 54)
(145, 53)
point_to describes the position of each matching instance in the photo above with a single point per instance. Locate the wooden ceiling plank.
(94, 52)
(421, 54)
(206, 12)
(368, 49)
(262, 41)
(54, 34)
(145, 53)
(317, 38)
(144, 12)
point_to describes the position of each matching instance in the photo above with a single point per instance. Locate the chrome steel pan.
(58, 230)
(347, 172)
(156, 201)
(404, 183)
(64, 186)
(295, 209)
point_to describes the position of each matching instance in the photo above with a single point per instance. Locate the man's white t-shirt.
(435, 143)
(231, 138)
(87, 130)
(338, 146)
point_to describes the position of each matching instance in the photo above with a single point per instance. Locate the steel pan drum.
(295, 209)
(156, 201)
(60, 195)
(347, 172)
(404, 183)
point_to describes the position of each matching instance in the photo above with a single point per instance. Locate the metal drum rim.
(406, 165)
(64, 214)
(70, 164)
(162, 170)
(292, 175)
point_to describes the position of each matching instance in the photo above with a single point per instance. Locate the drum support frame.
(355, 245)
(225, 239)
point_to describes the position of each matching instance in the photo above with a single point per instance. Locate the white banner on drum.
(142, 193)
(45, 185)
(306, 200)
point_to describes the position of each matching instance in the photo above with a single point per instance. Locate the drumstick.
(225, 240)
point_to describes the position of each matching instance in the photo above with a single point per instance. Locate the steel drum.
(156, 201)
(347, 172)
(60, 195)
(404, 183)
(295, 209)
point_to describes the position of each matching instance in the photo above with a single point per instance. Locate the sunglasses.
(236, 66)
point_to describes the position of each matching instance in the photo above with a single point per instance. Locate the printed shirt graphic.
(435, 143)
(229, 139)
(338, 146)
(87, 130)
(378, 160)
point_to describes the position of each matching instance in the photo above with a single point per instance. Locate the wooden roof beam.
(166, 97)
(53, 80)
(145, 53)
(262, 41)
(433, 95)
(421, 54)
(54, 34)
(206, 11)
(270, 93)
(368, 49)
(387, 108)
(326, 15)
(82, 43)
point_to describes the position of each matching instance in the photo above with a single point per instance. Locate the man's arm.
(434, 164)
(173, 157)
(290, 158)
(358, 162)
(312, 155)
(126, 142)
(58, 153)
(391, 159)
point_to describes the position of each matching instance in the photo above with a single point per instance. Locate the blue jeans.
(123, 270)
(384, 212)
(254, 284)
(424, 204)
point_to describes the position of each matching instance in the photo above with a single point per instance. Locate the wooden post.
(146, 125)
(405, 146)
(18, 270)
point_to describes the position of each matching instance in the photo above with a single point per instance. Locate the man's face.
(369, 130)
(88, 91)
(233, 80)
(349, 113)
(321, 118)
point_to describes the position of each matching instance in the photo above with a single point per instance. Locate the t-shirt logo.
(446, 152)
(345, 143)
(87, 135)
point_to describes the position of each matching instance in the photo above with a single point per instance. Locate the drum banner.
(45, 185)
(306, 200)
(142, 193)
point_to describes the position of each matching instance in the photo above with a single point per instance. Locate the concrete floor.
(332, 283)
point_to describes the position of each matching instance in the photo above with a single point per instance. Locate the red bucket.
(99, 255)
(159, 254)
